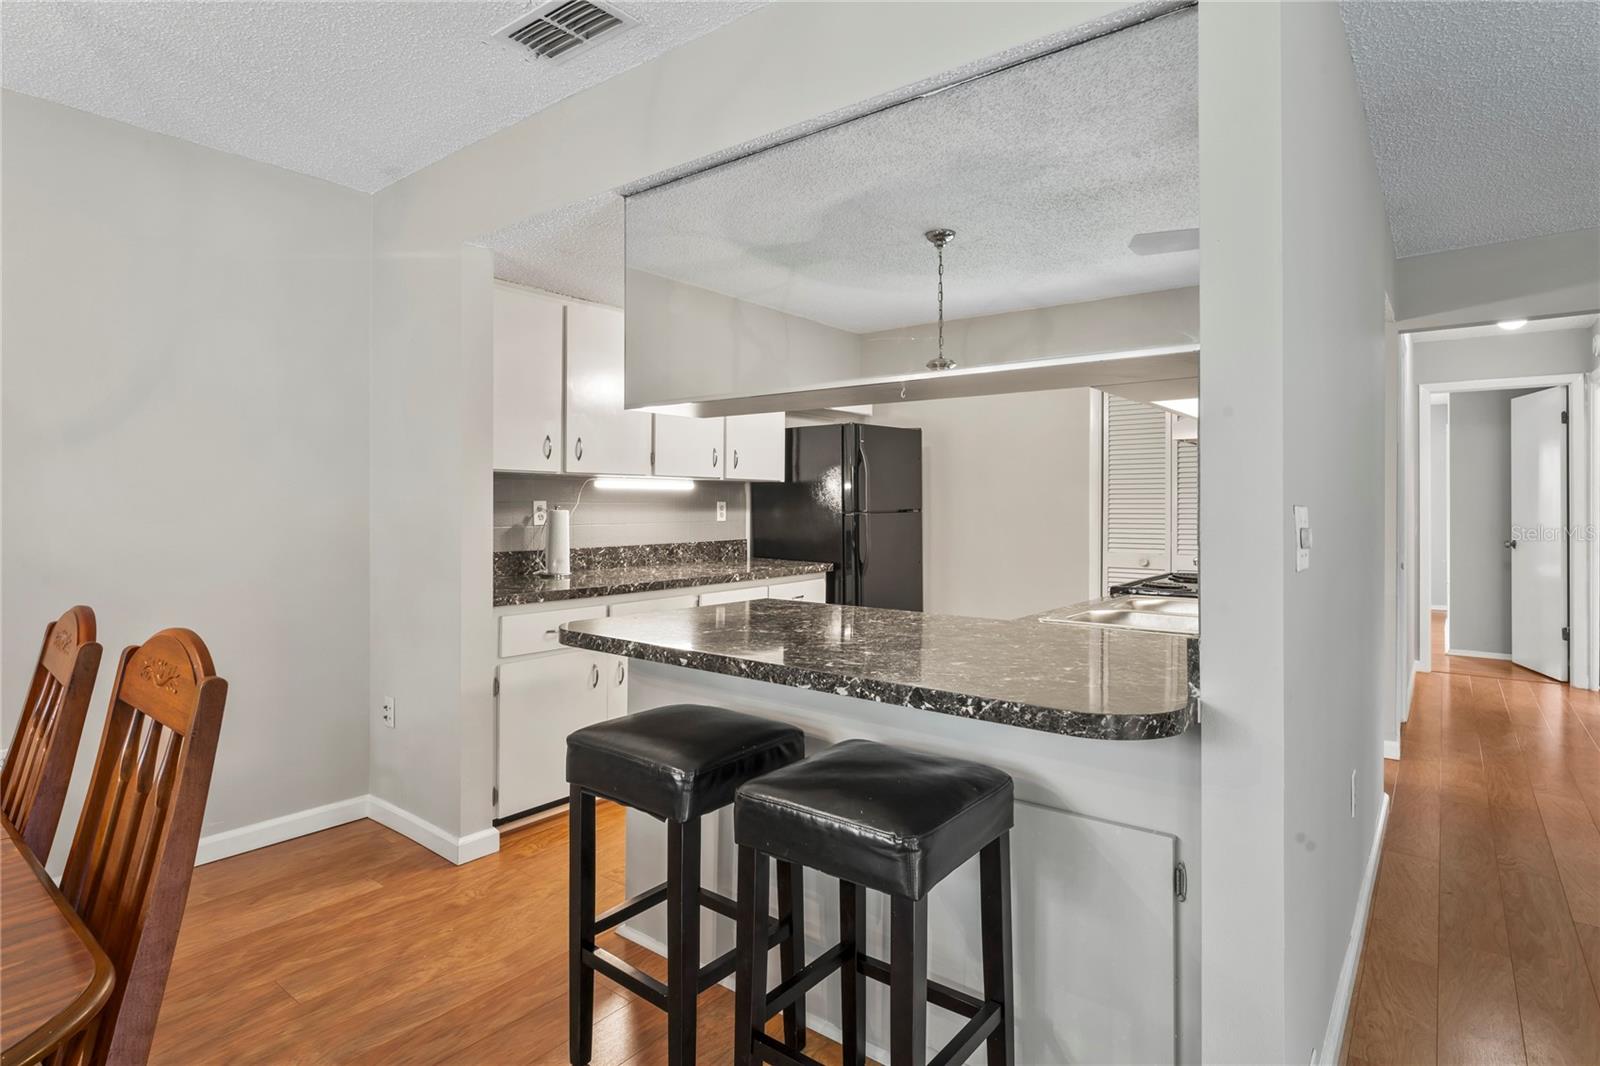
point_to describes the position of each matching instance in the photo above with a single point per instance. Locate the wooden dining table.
(54, 977)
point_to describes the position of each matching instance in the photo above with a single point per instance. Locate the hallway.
(1483, 943)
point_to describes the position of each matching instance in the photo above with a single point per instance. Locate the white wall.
(431, 509)
(185, 436)
(1010, 500)
(1146, 320)
(1480, 521)
(1439, 458)
(1555, 275)
(1505, 355)
(1297, 261)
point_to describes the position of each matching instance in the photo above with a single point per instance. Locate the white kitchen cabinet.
(754, 447)
(614, 678)
(755, 592)
(528, 399)
(689, 447)
(660, 603)
(601, 437)
(811, 590)
(541, 700)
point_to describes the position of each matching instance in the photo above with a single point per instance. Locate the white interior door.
(1539, 532)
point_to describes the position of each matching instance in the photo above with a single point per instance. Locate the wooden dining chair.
(33, 784)
(132, 858)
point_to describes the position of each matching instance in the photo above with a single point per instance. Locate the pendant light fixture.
(939, 238)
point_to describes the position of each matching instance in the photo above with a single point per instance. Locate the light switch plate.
(1302, 538)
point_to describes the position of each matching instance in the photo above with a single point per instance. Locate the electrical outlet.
(722, 510)
(541, 512)
(388, 711)
(1352, 793)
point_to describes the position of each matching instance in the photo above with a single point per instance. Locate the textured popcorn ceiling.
(359, 93)
(1484, 117)
(1045, 171)
(576, 251)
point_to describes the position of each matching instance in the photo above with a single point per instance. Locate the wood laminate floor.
(1483, 944)
(356, 945)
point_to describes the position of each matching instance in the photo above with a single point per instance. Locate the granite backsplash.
(511, 567)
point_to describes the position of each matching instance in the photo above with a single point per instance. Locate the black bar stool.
(675, 763)
(898, 821)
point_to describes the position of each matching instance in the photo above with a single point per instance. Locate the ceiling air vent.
(558, 31)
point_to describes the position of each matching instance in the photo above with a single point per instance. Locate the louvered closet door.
(1138, 516)
(1186, 510)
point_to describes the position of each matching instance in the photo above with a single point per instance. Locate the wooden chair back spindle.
(132, 858)
(33, 784)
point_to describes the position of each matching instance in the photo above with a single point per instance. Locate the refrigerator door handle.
(860, 476)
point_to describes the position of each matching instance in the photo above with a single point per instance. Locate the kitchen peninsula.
(1094, 724)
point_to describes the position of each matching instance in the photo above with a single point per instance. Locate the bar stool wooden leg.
(853, 999)
(750, 995)
(683, 939)
(908, 981)
(791, 952)
(580, 978)
(994, 872)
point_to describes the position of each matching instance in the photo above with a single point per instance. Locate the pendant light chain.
(939, 238)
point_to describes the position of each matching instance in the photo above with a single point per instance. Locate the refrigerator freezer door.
(801, 517)
(883, 564)
(883, 465)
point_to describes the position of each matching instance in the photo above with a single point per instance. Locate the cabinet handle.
(713, 457)
(548, 446)
(594, 676)
(577, 449)
(621, 675)
(736, 458)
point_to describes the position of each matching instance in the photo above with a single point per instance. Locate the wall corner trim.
(1344, 993)
(458, 850)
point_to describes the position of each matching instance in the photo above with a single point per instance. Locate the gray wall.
(608, 518)
(1556, 351)
(185, 437)
(1009, 522)
(1439, 456)
(1480, 521)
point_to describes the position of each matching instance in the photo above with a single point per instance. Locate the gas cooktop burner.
(1181, 583)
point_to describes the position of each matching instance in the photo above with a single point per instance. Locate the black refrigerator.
(851, 496)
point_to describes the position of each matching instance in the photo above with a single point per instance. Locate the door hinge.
(1563, 418)
(494, 795)
(1180, 882)
(1566, 634)
(497, 686)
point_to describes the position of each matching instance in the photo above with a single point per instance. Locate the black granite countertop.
(645, 577)
(1083, 681)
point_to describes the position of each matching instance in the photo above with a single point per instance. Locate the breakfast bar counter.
(1097, 729)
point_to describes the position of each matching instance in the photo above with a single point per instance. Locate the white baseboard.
(458, 850)
(1391, 749)
(1467, 653)
(1345, 992)
(277, 830)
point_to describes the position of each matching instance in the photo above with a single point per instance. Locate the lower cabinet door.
(614, 670)
(542, 700)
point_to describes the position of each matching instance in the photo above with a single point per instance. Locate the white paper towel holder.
(558, 556)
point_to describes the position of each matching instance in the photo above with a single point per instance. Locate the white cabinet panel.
(811, 590)
(536, 631)
(541, 701)
(602, 437)
(614, 676)
(755, 447)
(689, 447)
(527, 380)
(755, 592)
(660, 603)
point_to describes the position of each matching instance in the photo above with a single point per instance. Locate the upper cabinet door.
(689, 447)
(527, 380)
(602, 437)
(755, 447)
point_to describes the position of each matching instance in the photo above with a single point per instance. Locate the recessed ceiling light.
(1509, 324)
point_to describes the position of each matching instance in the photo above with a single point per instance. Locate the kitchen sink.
(1152, 614)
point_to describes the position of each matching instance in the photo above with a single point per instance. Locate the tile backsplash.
(609, 518)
